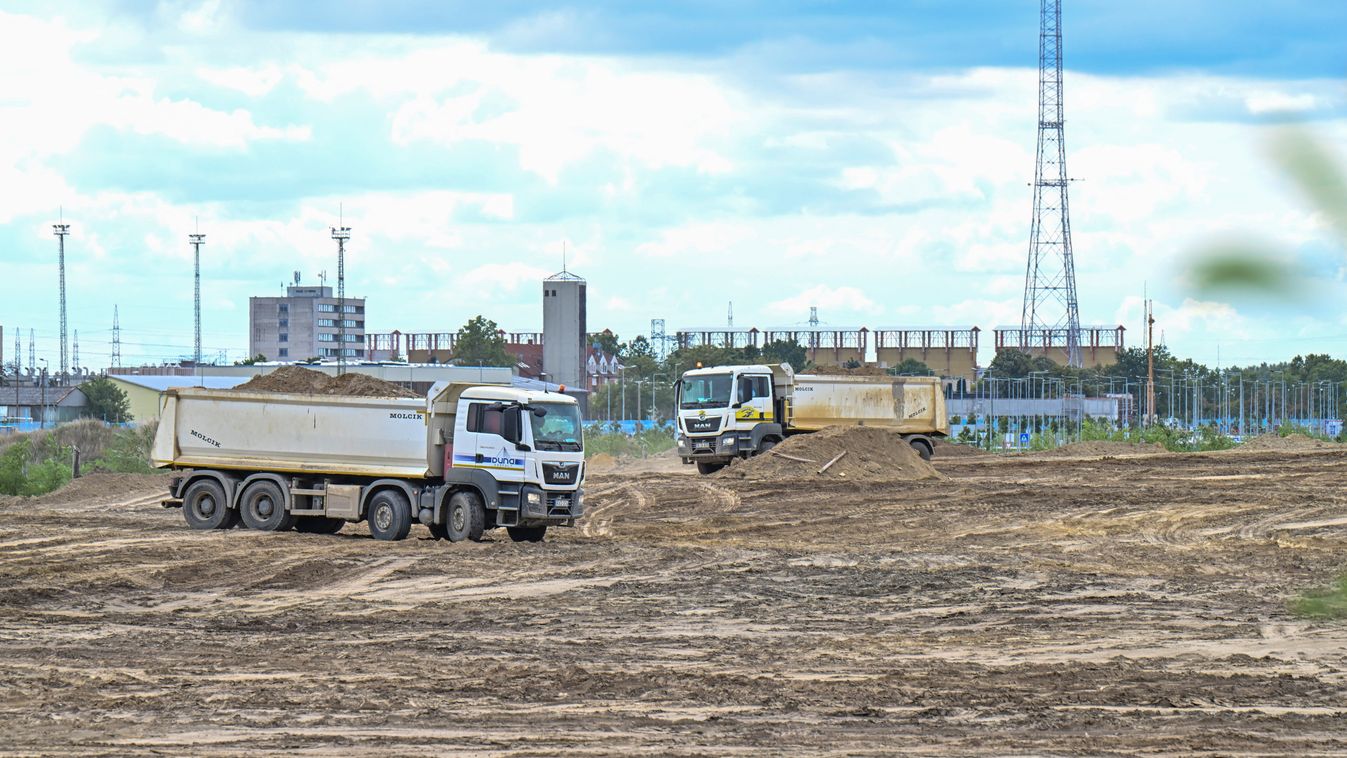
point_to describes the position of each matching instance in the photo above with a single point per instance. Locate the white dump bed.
(911, 405)
(267, 431)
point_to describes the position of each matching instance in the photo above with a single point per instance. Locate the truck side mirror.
(539, 412)
(521, 447)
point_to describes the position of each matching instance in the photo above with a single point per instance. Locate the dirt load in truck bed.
(869, 454)
(298, 379)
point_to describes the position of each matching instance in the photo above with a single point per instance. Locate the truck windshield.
(707, 391)
(559, 429)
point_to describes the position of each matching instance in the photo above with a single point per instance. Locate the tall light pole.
(61, 230)
(341, 234)
(44, 392)
(197, 241)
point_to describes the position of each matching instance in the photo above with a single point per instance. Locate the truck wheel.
(706, 469)
(263, 508)
(465, 518)
(319, 525)
(204, 506)
(526, 533)
(923, 449)
(390, 515)
(767, 444)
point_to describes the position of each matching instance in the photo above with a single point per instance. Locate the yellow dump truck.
(728, 412)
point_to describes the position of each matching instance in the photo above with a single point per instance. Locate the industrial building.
(1097, 345)
(564, 332)
(951, 352)
(305, 324)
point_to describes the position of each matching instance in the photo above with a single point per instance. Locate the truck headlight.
(534, 498)
(728, 441)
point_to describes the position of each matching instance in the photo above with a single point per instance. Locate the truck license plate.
(701, 444)
(564, 502)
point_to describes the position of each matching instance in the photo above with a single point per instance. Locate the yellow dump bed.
(908, 404)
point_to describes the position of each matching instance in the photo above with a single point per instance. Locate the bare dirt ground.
(1096, 605)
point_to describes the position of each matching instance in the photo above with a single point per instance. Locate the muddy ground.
(1022, 605)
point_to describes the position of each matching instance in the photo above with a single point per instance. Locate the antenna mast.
(61, 230)
(197, 241)
(341, 234)
(75, 353)
(32, 352)
(116, 339)
(1050, 277)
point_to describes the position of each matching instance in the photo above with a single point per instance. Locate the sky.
(870, 159)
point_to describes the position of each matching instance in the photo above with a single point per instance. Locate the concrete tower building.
(564, 330)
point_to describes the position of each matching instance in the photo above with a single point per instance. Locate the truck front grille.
(702, 425)
(561, 473)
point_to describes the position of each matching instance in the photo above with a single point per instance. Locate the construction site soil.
(298, 379)
(1021, 605)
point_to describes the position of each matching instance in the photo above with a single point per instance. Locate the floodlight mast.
(197, 241)
(341, 234)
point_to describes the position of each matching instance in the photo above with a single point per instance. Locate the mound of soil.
(297, 379)
(1102, 447)
(871, 455)
(1290, 444)
(100, 486)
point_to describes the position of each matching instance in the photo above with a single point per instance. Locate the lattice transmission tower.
(116, 339)
(1050, 278)
(197, 241)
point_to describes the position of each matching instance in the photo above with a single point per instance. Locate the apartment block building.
(305, 324)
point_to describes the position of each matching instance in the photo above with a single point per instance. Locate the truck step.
(318, 493)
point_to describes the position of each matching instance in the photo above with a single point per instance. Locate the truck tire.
(262, 507)
(318, 525)
(465, 518)
(706, 469)
(923, 449)
(766, 445)
(204, 506)
(390, 515)
(526, 533)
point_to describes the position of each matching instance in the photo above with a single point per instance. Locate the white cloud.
(253, 81)
(842, 301)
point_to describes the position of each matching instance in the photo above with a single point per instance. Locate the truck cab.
(728, 412)
(530, 443)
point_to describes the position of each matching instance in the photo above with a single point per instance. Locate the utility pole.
(1150, 364)
(61, 230)
(1050, 277)
(32, 353)
(197, 241)
(341, 234)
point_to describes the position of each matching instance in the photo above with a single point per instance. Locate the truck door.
(755, 399)
(495, 430)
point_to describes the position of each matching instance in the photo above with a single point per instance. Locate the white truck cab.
(729, 412)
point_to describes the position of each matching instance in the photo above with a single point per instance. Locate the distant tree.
(785, 351)
(851, 363)
(259, 358)
(480, 343)
(1019, 364)
(607, 342)
(911, 367)
(107, 401)
(638, 347)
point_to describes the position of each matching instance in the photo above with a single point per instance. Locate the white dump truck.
(728, 412)
(464, 459)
